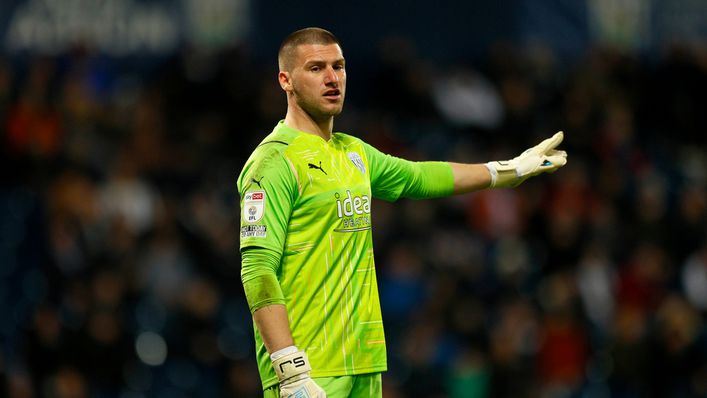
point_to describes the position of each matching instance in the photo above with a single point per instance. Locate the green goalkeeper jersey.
(309, 200)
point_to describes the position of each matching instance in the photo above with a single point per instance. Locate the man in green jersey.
(307, 255)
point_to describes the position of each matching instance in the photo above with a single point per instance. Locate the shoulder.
(267, 153)
(273, 145)
(280, 137)
(268, 158)
(276, 142)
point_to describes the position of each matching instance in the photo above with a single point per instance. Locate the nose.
(331, 77)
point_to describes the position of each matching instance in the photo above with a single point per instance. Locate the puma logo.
(314, 166)
(258, 181)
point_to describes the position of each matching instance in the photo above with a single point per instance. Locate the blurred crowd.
(119, 263)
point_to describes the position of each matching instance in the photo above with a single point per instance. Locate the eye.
(315, 68)
(339, 67)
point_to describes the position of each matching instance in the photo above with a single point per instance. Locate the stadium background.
(124, 124)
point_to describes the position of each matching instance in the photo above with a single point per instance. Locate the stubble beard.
(314, 108)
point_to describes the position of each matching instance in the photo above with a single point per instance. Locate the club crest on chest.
(357, 161)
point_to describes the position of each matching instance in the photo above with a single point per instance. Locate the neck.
(300, 120)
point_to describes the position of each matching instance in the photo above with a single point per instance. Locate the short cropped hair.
(288, 48)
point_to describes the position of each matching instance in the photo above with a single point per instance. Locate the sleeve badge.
(253, 206)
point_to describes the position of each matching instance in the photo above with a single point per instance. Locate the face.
(317, 80)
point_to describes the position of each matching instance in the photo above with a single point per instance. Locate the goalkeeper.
(306, 239)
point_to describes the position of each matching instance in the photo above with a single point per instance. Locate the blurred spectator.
(466, 98)
(33, 124)
(469, 376)
(596, 281)
(643, 281)
(563, 345)
(66, 383)
(694, 278)
(679, 355)
(514, 339)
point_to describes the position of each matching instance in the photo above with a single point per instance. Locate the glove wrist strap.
(503, 174)
(493, 173)
(291, 365)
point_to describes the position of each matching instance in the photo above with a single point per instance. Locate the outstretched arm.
(393, 178)
(470, 177)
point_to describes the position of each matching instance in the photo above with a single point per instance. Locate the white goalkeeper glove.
(292, 368)
(538, 159)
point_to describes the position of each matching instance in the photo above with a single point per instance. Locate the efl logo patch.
(253, 206)
(357, 161)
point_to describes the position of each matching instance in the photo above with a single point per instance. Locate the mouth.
(332, 94)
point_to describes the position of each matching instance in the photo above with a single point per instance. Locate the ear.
(285, 81)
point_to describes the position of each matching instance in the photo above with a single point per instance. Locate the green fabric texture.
(308, 202)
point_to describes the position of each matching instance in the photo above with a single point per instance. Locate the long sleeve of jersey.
(268, 190)
(393, 178)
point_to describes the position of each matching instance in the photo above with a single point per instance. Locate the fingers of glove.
(557, 152)
(549, 144)
(553, 162)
